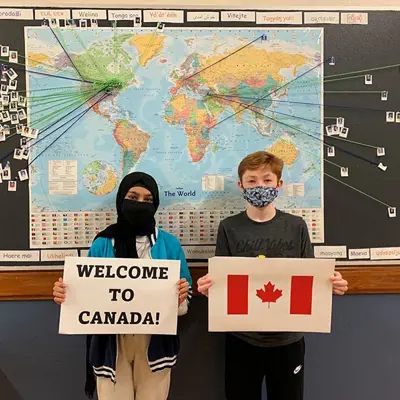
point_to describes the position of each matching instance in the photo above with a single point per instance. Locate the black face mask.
(140, 215)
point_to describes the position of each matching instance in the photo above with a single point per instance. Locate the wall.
(359, 360)
(319, 4)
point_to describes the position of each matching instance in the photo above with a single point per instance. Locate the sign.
(116, 296)
(270, 295)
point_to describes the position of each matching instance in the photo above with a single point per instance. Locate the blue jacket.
(101, 350)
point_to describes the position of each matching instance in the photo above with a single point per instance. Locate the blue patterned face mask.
(260, 196)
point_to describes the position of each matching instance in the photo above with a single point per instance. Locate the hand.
(203, 284)
(59, 290)
(339, 285)
(183, 290)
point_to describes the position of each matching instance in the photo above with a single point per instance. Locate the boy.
(263, 231)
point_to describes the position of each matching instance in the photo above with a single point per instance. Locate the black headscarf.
(123, 232)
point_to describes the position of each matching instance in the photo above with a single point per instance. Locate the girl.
(134, 367)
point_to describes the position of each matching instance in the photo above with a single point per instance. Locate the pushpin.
(332, 61)
(384, 95)
(344, 171)
(368, 79)
(160, 27)
(263, 37)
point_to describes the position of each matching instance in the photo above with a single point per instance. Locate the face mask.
(140, 215)
(260, 196)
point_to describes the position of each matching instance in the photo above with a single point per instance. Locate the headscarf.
(123, 232)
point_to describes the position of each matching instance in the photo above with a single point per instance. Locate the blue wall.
(359, 360)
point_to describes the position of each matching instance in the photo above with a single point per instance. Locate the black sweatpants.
(247, 365)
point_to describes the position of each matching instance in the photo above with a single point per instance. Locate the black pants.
(247, 365)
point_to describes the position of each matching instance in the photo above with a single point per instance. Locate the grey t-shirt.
(284, 236)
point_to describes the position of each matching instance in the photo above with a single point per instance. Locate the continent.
(251, 65)
(285, 150)
(148, 46)
(38, 59)
(133, 140)
(197, 117)
(105, 60)
(99, 178)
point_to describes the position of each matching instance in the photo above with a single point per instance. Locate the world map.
(193, 103)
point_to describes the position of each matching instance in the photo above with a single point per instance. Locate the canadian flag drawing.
(270, 294)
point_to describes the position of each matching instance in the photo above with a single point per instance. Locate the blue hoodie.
(102, 350)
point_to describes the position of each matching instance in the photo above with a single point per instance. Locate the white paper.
(382, 167)
(392, 212)
(199, 252)
(19, 256)
(16, 13)
(385, 253)
(321, 18)
(173, 16)
(344, 172)
(124, 15)
(204, 16)
(57, 255)
(153, 309)
(50, 14)
(354, 18)
(238, 16)
(63, 177)
(272, 316)
(89, 14)
(359, 254)
(294, 190)
(276, 18)
(211, 183)
(330, 251)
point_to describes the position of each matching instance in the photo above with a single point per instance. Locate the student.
(134, 367)
(264, 231)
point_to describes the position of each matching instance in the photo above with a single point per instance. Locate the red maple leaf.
(269, 294)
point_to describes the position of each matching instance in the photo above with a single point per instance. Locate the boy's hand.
(59, 290)
(339, 285)
(203, 284)
(183, 290)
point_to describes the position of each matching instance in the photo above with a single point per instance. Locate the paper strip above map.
(89, 14)
(16, 13)
(354, 18)
(287, 18)
(238, 16)
(202, 16)
(172, 16)
(321, 18)
(52, 14)
(124, 15)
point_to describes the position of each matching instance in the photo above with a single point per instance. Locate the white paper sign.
(270, 294)
(276, 18)
(117, 296)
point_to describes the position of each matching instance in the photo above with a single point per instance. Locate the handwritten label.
(199, 252)
(330, 251)
(53, 14)
(174, 16)
(321, 18)
(238, 16)
(206, 16)
(124, 15)
(358, 254)
(89, 14)
(19, 256)
(57, 255)
(385, 253)
(282, 18)
(354, 18)
(16, 13)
